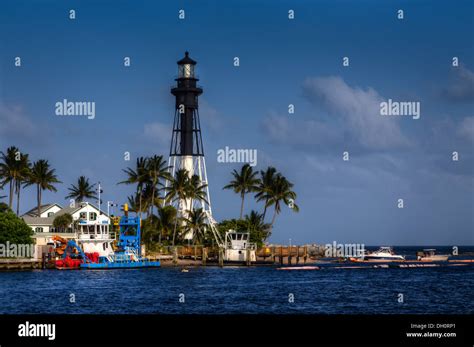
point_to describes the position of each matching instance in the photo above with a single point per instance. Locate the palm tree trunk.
(38, 197)
(242, 206)
(10, 202)
(175, 225)
(265, 210)
(274, 217)
(140, 205)
(271, 224)
(18, 188)
(153, 196)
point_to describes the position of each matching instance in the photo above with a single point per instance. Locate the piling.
(175, 255)
(204, 256)
(247, 256)
(221, 257)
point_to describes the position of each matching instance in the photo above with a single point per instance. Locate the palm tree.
(280, 191)
(44, 177)
(196, 223)
(138, 177)
(259, 230)
(147, 192)
(243, 183)
(133, 203)
(156, 169)
(196, 190)
(167, 216)
(263, 189)
(8, 170)
(23, 169)
(83, 190)
(178, 191)
(14, 169)
(149, 230)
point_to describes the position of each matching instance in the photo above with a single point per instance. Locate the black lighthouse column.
(186, 139)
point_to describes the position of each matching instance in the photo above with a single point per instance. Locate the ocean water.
(230, 290)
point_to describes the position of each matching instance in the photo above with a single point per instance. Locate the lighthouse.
(186, 150)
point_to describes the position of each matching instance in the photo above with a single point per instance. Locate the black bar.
(230, 329)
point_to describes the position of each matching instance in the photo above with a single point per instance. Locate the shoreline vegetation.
(153, 200)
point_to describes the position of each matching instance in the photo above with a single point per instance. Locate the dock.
(212, 256)
(20, 264)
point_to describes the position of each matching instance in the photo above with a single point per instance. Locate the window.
(50, 214)
(38, 230)
(92, 216)
(83, 215)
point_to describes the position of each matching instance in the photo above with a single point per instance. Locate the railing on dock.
(266, 254)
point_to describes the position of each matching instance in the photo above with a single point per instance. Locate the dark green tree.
(62, 222)
(13, 228)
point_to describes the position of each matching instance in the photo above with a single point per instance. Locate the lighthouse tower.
(186, 151)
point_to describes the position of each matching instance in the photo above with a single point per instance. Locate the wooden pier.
(212, 256)
(20, 264)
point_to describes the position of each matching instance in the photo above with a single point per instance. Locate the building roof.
(34, 220)
(43, 208)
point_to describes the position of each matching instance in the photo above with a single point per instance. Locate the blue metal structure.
(130, 234)
(68, 251)
(128, 256)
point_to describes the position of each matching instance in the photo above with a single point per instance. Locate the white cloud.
(466, 128)
(462, 85)
(159, 133)
(357, 110)
(14, 123)
(210, 117)
(281, 129)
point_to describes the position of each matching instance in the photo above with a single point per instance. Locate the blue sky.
(282, 62)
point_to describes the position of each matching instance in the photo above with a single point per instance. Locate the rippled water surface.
(240, 290)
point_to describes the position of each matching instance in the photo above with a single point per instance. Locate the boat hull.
(435, 258)
(120, 265)
(369, 258)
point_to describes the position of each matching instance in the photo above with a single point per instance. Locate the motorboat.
(383, 254)
(429, 254)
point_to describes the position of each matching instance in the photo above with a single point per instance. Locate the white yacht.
(383, 254)
(429, 254)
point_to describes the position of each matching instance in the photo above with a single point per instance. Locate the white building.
(88, 223)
